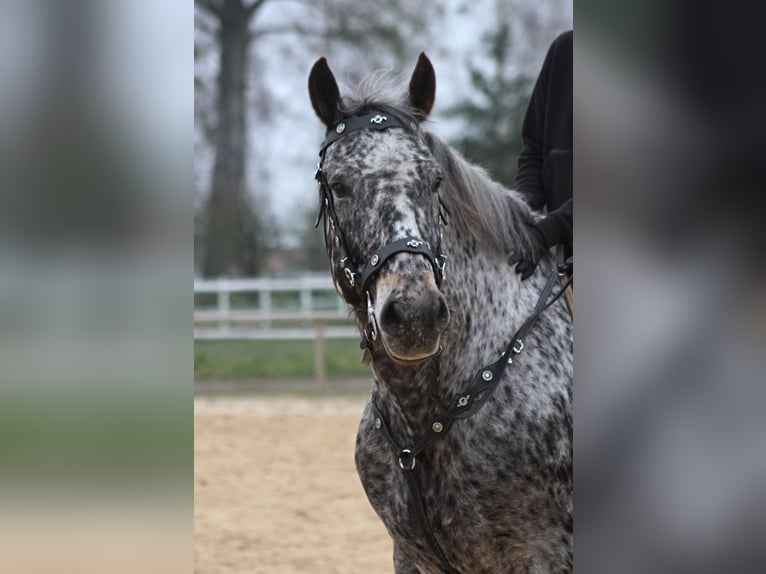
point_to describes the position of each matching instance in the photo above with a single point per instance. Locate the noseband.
(358, 276)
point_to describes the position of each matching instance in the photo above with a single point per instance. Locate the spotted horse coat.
(496, 488)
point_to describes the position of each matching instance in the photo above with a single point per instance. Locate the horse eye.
(341, 189)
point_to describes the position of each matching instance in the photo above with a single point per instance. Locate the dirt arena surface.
(276, 491)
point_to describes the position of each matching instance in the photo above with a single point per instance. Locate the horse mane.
(480, 207)
(477, 206)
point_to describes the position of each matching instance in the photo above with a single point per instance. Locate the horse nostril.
(423, 314)
(392, 320)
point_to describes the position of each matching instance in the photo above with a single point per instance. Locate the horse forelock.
(381, 90)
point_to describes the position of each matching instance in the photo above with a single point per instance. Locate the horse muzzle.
(411, 316)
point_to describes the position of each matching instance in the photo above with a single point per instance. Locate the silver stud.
(413, 126)
(375, 260)
(510, 360)
(463, 401)
(437, 426)
(487, 375)
(377, 423)
(340, 127)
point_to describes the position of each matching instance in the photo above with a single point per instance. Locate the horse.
(464, 448)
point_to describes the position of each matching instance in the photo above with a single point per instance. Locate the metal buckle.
(518, 346)
(349, 275)
(441, 263)
(409, 460)
(565, 268)
(373, 322)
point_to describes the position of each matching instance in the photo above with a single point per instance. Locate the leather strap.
(414, 488)
(407, 459)
(375, 120)
(568, 295)
(408, 245)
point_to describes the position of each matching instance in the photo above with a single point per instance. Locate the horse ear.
(423, 85)
(324, 92)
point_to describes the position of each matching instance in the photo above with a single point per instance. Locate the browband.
(375, 120)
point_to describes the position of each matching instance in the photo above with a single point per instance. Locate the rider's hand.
(527, 265)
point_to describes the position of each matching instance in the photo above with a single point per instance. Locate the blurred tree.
(494, 115)
(230, 237)
(229, 226)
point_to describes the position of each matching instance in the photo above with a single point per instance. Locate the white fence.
(306, 307)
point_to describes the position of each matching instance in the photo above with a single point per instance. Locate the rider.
(544, 174)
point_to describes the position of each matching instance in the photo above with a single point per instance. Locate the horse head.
(379, 193)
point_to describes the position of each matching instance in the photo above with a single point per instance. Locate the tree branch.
(209, 6)
(306, 3)
(204, 26)
(288, 29)
(254, 7)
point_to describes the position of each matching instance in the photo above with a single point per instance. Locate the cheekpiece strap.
(375, 120)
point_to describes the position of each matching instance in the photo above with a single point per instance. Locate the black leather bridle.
(358, 277)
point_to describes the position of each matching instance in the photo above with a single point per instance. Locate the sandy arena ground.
(276, 491)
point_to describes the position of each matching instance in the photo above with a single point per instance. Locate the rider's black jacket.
(545, 163)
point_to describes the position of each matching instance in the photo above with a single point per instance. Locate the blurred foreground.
(96, 430)
(670, 370)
